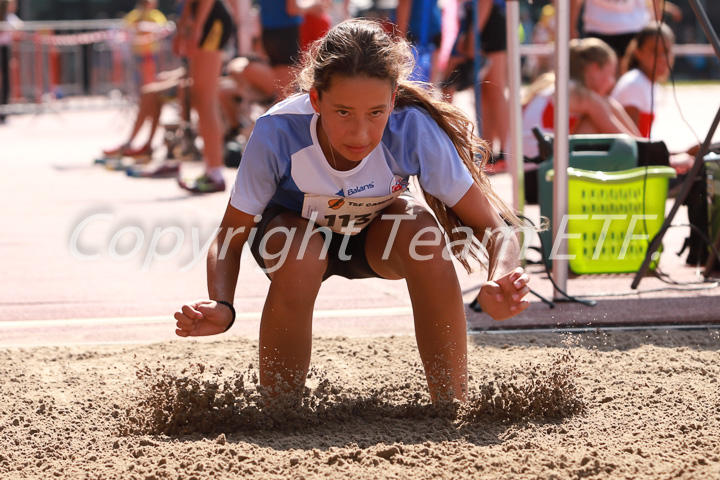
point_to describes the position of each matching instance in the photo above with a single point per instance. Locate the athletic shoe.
(117, 164)
(128, 151)
(142, 152)
(116, 152)
(164, 170)
(202, 184)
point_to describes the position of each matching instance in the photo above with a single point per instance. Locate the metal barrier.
(83, 64)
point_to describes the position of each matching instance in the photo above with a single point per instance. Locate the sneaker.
(145, 151)
(116, 152)
(128, 151)
(202, 184)
(164, 170)
(117, 164)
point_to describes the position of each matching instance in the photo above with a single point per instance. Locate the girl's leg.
(286, 325)
(205, 67)
(434, 289)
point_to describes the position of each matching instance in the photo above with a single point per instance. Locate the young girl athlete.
(341, 155)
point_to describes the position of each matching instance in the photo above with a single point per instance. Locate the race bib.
(345, 215)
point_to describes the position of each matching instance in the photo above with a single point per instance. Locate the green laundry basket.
(613, 216)
(606, 153)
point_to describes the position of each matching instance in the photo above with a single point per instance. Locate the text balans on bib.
(345, 215)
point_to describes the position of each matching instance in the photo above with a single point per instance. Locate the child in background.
(647, 62)
(592, 76)
(333, 164)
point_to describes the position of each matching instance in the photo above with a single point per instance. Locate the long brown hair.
(361, 47)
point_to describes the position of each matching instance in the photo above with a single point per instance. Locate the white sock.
(215, 175)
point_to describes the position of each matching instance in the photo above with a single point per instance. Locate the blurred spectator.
(144, 22)
(204, 29)
(7, 14)
(314, 26)
(617, 22)
(153, 96)
(420, 21)
(592, 76)
(493, 75)
(647, 62)
(543, 33)
(280, 21)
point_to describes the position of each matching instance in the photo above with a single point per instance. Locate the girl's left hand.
(503, 297)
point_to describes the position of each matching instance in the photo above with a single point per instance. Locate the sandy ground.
(629, 404)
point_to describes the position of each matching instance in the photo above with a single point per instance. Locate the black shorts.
(619, 42)
(493, 38)
(282, 45)
(217, 29)
(356, 266)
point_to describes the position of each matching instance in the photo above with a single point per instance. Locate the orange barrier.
(49, 64)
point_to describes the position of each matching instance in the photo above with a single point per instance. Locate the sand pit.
(633, 404)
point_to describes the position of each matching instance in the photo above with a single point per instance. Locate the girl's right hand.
(201, 318)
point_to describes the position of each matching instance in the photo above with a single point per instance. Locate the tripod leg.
(547, 301)
(704, 148)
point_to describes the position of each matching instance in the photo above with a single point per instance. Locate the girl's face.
(600, 77)
(652, 58)
(353, 114)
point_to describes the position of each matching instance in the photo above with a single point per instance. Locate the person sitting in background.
(592, 76)
(646, 64)
(152, 98)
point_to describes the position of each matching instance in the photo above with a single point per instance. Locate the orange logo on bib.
(336, 203)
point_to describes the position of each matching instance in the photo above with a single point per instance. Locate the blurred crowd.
(238, 59)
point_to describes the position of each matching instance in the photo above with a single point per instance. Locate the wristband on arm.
(232, 310)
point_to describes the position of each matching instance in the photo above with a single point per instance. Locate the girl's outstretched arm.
(208, 317)
(502, 296)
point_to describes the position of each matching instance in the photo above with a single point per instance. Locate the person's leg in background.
(205, 68)
(494, 100)
(493, 43)
(5, 79)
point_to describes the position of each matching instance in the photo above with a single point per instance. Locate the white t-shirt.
(615, 17)
(283, 162)
(540, 112)
(634, 89)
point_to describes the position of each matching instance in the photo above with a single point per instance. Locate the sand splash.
(202, 400)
